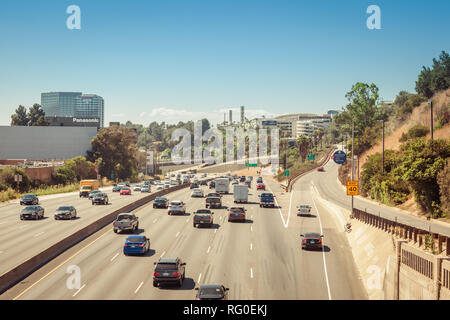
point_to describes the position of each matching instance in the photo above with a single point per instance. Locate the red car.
(320, 169)
(125, 191)
(236, 214)
(261, 186)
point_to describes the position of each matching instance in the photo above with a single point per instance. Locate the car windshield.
(166, 266)
(267, 195)
(64, 208)
(213, 199)
(161, 199)
(29, 196)
(31, 208)
(211, 293)
(175, 203)
(124, 217)
(135, 240)
(86, 188)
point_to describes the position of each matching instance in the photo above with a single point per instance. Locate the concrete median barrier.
(15, 275)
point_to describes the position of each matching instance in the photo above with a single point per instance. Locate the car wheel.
(155, 284)
(180, 284)
(21, 218)
(194, 225)
(115, 231)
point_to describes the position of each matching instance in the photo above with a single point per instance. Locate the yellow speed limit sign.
(352, 188)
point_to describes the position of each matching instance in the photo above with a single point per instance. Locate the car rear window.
(237, 210)
(166, 266)
(312, 235)
(203, 211)
(135, 240)
(29, 196)
(124, 217)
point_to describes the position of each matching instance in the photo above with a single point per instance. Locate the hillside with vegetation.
(415, 174)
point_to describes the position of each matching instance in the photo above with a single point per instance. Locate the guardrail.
(17, 274)
(423, 238)
(298, 175)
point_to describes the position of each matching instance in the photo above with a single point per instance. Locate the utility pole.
(431, 118)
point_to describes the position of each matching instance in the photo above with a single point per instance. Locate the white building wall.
(42, 143)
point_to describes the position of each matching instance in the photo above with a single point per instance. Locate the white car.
(145, 189)
(137, 187)
(176, 207)
(197, 193)
(159, 187)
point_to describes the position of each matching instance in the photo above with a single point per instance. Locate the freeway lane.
(20, 240)
(259, 259)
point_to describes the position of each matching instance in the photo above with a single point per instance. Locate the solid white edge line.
(323, 252)
(199, 277)
(78, 291)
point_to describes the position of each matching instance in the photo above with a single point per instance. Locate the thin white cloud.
(215, 116)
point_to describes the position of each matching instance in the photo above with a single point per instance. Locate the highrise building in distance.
(73, 104)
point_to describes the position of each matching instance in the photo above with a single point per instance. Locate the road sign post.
(339, 157)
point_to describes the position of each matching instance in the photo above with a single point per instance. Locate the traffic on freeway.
(246, 248)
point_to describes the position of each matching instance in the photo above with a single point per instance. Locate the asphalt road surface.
(258, 259)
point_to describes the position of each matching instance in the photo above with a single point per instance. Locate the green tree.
(117, 149)
(303, 145)
(20, 117)
(443, 179)
(420, 163)
(363, 107)
(36, 116)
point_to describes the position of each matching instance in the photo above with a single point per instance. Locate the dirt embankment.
(419, 116)
(394, 130)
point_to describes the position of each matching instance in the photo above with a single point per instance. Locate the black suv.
(161, 202)
(169, 271)
(194, 185)
(29, 199)
(212, 184)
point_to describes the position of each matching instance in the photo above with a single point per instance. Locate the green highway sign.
(286, 173)
(251, 164)
(312, 156)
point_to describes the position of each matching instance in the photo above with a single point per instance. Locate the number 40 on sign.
(352, 188)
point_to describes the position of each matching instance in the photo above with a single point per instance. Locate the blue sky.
(178, 60)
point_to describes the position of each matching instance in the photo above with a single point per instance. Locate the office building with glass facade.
(73, 104)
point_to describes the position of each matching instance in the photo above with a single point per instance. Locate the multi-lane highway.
(259, 259)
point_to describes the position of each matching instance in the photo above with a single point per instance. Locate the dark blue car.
(136, 245)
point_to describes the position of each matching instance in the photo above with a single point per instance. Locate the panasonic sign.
(86, 120)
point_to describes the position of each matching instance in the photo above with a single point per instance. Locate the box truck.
(87, 186)
(240, 193)
(222, 185)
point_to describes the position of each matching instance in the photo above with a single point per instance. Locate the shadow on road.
(188, 284)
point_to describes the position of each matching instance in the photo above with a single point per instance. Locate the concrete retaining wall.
(12, 277)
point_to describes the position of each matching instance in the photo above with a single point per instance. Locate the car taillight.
(176, 274)
(141, 245)
(304, 240)
(320, 240)
(155, 274)
(125, 245)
